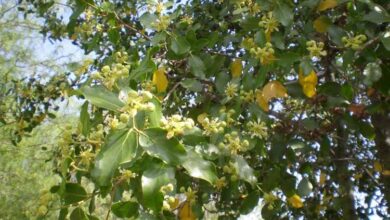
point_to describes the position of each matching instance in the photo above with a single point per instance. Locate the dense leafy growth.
(198, 107)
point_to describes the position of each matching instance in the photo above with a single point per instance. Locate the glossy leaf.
(199, 168)
(153, 178)
(158, 145)
(120, 147)
(244, 171)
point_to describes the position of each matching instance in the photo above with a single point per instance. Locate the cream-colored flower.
(316, 49)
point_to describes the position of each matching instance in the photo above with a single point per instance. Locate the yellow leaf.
(322, 178)
(308, 83)
(274, 89)
(358, 176)
(261, 101)
(295, 201)
(236, 68)
(160, 80)
(185, 212)
(378, 166)
(386, 173)
(321, 24)
(326, 4)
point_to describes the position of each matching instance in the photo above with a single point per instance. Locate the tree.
(197, 107)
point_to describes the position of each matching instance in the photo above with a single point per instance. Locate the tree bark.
(343, 175)
(381, 124)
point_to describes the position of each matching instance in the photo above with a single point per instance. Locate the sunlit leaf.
(160, 80)
(308, 83)
(236, 68)
(274, 89)
(120, 147)
(261, 101)
(327, 4)
(185, 212)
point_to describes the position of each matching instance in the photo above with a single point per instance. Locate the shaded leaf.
(304, 187)
(74, 193)
(126, 209)
(78, 214)
(180, 45)
(197, 66)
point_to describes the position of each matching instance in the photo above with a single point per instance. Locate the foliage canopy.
(198, 107)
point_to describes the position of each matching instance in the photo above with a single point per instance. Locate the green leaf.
(199, 168)
(146, 66)
(153, 179)
(386, 40)
(114, 35)
(78, 214)
(367, 130)
(192, 85)
(244, 171)
(85, 123)
(126, 209)
(156, 144)
(120, 147)
(221, 81)
(377, 17)
(73, 193)
(180, 45)
(147, 20)
(197, 66)
(156, 115)
(63, 213)
(284, 14)
(306, 66)
(304, 187)
(101, 97)
(249, 203)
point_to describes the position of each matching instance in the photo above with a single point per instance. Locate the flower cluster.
(176, 125)
(354, 42)
(231, 169)
(265, 54)
(248, 43)
(316, 49)
(295, 201)
(109, 75)
(269, 199)
(269, 23)
(257, 129)
(162, 23)
(234, 143)
(137, 101)
(248, 96)
(220, 183)
(231, 90)
(86, 157)
(211, 126)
